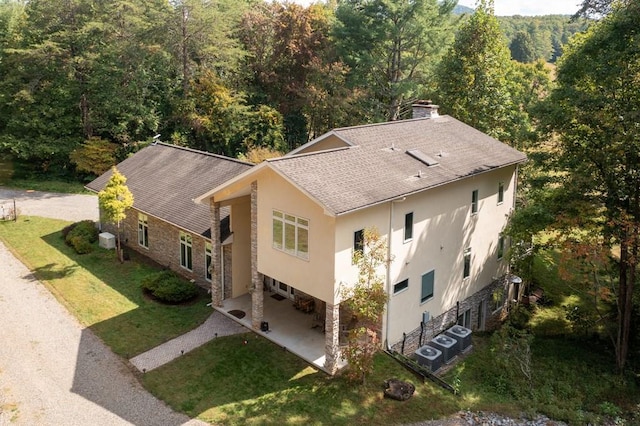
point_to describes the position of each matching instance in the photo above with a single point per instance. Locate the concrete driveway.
(52, 370)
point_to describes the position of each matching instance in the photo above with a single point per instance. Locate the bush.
(81, 236)
(168, 287)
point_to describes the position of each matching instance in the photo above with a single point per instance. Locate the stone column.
(332, 338)
(216, 249)
(257, 295)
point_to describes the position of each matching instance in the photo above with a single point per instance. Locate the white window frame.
(208, 249)
(143, 230)
(409, 228)
(466, 260)
(497, 304)
(289, 223)
(402, 290)
(433, 286)
(501, 245)
(500, 193)
(186, 251)
(475, 201)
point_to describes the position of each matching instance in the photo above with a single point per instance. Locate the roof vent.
(424, 158)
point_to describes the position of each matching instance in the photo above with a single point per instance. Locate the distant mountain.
(460, 10)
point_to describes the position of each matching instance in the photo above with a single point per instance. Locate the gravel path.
(71, 207)
(52, 370)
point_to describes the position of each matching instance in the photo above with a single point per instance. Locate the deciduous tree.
(114, 201)
(366, 300)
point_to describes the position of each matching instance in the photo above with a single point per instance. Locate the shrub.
(168, 287)
(81, 236)
(81, 245)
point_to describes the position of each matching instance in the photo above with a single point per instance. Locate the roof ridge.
(308, 154)
(383, 123)
(197, 151)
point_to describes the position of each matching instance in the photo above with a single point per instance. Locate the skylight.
(421, 156)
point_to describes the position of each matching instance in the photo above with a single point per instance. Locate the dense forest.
(85, 82)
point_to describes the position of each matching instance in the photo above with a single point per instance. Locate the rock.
(398, 390)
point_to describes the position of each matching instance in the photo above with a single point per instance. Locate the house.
(164, 223)
(438, 190)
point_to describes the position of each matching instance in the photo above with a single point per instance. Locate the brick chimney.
(424, 109)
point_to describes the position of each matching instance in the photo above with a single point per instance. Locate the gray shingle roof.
(377, 168)
(164, 179)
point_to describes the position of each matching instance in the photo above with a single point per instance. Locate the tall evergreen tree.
(391, 47)
(473, 79)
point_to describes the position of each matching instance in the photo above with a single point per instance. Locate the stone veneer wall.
(442, 322)
(164, 245)
(228, 284)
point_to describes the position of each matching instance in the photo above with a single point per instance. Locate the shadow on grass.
(225, 381)
(228, 381)
(131, 323)
(51, 271)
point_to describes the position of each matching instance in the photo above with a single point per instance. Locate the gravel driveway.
(71, 207)
(52, 371)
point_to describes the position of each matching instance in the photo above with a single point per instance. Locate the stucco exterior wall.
(443, 227)
(330, 142)
(313, 276)
(240, 229)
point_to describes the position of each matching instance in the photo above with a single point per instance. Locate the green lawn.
(228, 381)
(257, 383)
(102, 293)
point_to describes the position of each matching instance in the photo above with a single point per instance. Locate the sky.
(531, 7)
(518, 7)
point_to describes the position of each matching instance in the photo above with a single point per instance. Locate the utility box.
(107, 240)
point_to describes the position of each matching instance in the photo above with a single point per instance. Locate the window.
(474, 201)
(402, 285)
(207, 261)
(408, 226)
(291, 234)
(358, 240)
(186, 258)
(465, 319)
(467, 264)
(500, 192)
(427, 286)
(143, 230)
(500, 247)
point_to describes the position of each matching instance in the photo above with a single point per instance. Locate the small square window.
(408, 226)
(500, 192)
(402, 285)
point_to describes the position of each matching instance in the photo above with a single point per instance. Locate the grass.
(228, 381)
(102, 293)
(257, 383)
(12, 178)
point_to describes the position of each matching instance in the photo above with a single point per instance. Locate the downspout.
(389, 251)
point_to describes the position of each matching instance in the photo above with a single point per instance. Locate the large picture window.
(143, 230)
(291, 234)
(186, 255)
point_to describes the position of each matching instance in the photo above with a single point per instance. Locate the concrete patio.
(288, 327)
